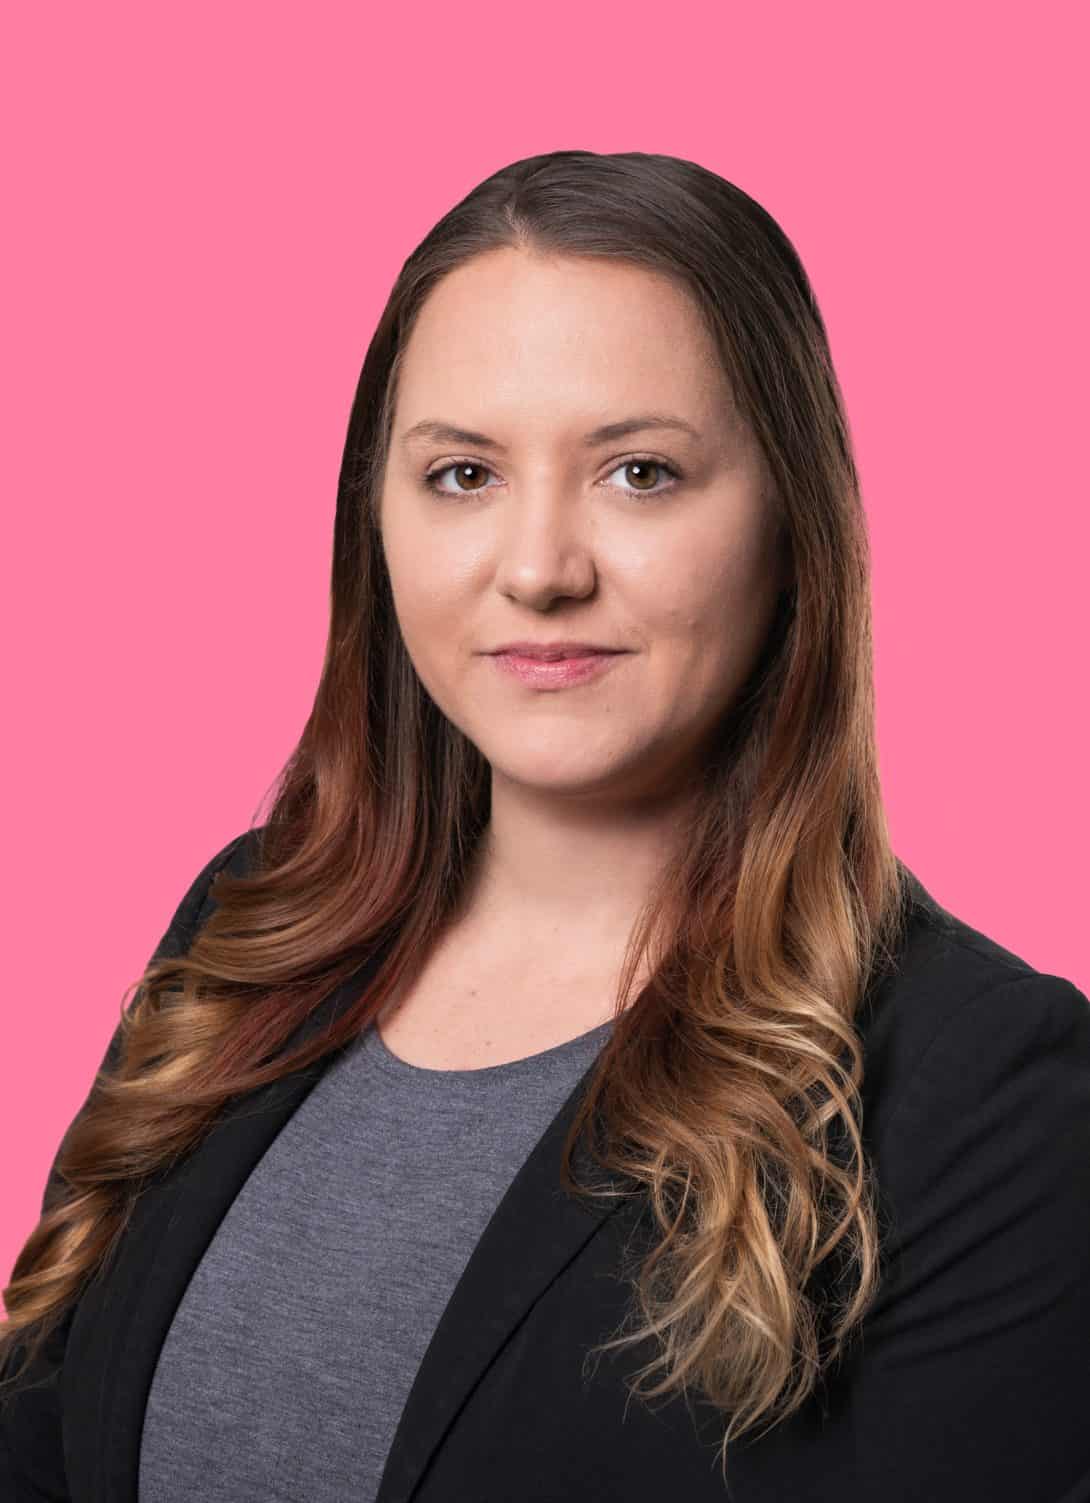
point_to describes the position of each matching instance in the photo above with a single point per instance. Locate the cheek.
(712, 611)
(703, 591)
(422, 619)
(432, 568)
(422, 580)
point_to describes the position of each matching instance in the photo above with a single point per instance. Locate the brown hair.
(728, 1092)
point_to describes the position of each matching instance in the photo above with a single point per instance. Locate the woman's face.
(660, 541)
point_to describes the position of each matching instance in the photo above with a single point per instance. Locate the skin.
(549, 539)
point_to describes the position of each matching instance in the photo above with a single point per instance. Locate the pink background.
(206, 209)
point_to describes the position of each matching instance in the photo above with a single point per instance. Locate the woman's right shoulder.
(237, 857)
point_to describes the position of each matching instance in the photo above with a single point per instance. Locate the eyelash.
(430, 478)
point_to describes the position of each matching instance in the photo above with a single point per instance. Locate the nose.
(544, 550)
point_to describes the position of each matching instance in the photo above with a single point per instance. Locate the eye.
(646, 464)
(431, 477)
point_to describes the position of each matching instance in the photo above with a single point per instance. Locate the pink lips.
(556, 673)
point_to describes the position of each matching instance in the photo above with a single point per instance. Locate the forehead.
(510, 329)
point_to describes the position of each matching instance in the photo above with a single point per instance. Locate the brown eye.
(464, 469)
(638, 471)
(643, 474)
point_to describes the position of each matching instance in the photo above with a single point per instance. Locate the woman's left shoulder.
(959, 1016)
(968, 1379)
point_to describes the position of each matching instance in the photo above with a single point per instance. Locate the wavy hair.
(727, 1095)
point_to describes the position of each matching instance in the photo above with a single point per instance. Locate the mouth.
(554, 655)
(550, 651)
(557, 672)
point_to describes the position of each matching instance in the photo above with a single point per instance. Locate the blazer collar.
(123, 1318)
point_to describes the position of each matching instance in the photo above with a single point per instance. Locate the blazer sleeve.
(975, 1367)
(31, 1449)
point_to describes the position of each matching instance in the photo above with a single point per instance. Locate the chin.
(565, 769)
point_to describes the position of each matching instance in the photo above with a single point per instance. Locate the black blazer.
(971, 1381)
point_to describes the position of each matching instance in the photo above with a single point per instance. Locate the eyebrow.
(447, 433)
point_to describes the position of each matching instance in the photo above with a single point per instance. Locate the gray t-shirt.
(293, 1349)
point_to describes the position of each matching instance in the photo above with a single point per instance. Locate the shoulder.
(957, 1006)
(237, 857)
(976, 1121)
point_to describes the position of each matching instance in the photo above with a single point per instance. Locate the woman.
(566, 1093)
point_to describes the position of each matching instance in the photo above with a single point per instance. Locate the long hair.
(727, 1095)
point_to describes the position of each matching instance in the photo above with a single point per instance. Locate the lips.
(563, 647)
(557, 657)
(557, 672)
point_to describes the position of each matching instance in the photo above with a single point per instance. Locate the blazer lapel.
(122, 1319)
